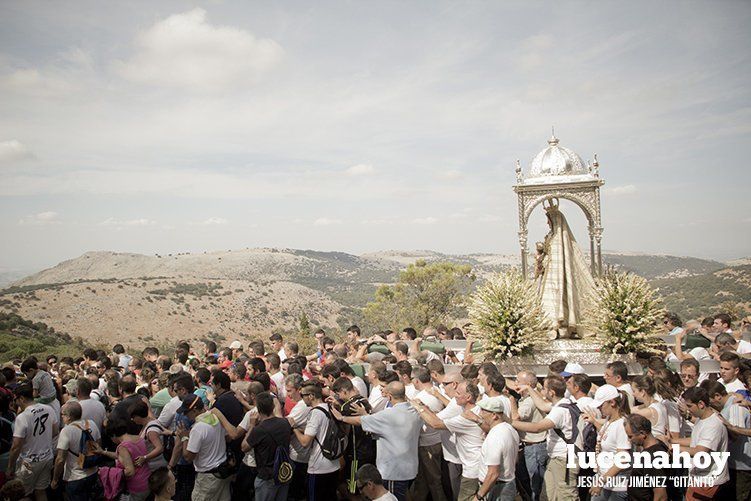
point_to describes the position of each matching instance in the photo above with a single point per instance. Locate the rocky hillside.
(727, 289)
(137, 299)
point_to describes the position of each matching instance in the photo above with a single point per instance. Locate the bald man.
(535, 444)
(397, 429)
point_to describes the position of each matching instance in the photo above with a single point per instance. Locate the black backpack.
(335, 440)
(588, 441)
(283, 468)
(168, 441)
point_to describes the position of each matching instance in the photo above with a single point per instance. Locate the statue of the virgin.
(565, 279)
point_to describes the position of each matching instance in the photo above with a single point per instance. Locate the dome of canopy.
(556, 160)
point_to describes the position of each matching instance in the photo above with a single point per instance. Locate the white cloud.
(42, 218)
(324, 221)
(425, 220)
(184, 50)
(450, 175)
(534, 50)
(489, 218)
(215, 221)
(110, 221)
(628, 189)
(360, 170)
(14, 150)
(462, 214)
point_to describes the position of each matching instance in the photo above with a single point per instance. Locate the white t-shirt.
(501, 446)
(249, 458)
(429, 435)
(739, 447)
(360, 386)
(561, 418)
(278, 380)
(94, 410)
(700, 354)
(743, 347)
(410, 391)
(282, 355)
(376, 399)
(70, 441)
(612, 437)
(448, 439)
(316, 426)
(167, 416)
(626, 388)
(208, 443)
(469, 439)
(299, 413)
(505, 402)
(34, 425)
(586, 403)
(386, 497)
(712, 434)
(673, 414)
(733, 385)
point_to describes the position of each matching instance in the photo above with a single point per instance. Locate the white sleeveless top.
(660, 427)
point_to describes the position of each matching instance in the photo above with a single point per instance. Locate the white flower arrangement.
(506, 314)
(624, 312)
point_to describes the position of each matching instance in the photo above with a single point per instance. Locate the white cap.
(236, 345)
(571, 369)
(604, 393)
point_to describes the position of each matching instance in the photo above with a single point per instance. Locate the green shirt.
(159, 400)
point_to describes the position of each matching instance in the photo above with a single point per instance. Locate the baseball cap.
(491, 404)
(236, 345)
(571, 369)
(190, 402)
(604, 393)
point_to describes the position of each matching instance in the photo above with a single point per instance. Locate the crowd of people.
(378, 417)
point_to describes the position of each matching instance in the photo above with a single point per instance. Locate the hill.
(727, 289)
(137, 299)
(20, 338)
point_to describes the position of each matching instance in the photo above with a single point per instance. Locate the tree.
(425, 294)
(304, 324)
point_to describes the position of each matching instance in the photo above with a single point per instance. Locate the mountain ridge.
(106, 296)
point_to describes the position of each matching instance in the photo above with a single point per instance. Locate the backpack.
(112, 479)
(168, 441)
(87, 458)
(575, 413)
(334, 441)
(283, 468)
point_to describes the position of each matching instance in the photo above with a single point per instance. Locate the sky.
(158, 127)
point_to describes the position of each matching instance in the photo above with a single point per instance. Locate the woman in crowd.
(650, 408)
(611, 439)
(129, 448)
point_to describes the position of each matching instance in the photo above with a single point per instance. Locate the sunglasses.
(305, 394)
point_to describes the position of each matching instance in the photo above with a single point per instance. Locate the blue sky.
(160, 127)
